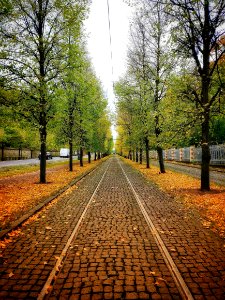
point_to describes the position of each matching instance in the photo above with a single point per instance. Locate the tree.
(128, 117)
(199, 27)
(32, 58)
(181, 123)
(139, 71)
(71, 83)
(161, 62)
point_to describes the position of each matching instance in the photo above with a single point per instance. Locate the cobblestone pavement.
(113, 255)
(215, 176)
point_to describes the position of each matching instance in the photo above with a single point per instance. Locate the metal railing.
(193, 154)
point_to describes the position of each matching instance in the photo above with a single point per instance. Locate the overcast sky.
(99, 41)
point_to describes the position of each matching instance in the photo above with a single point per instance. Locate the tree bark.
(205, 182)
(141, 155)
(71, 156)
(205, 178)
(89, 157)
(147, 153)
(42, 90)
(81, 156)
(161, 160)
(43, 155)
(133, 155)
(2, 148)
(130, 155)
(136, 155)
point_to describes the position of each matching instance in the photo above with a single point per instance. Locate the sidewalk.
(217, 175)
(114, 255)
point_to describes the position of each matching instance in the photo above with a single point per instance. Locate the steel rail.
(179, 281)
(63, 254)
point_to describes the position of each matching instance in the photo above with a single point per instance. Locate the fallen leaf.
(11, 274)
(153, 273)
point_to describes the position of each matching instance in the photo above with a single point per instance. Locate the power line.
(110, 38)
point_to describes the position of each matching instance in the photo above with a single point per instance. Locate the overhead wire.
(110, 40)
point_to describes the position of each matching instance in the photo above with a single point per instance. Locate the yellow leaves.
(5, 242)
(15, 233)
(11, 274)
(152, 273)
(20, 191)
(206, 224)
(48, 227)
(211, 205)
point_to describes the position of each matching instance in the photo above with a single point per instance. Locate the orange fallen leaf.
(11, 274)
(186, 189)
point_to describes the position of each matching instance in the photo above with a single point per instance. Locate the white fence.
(193, 154)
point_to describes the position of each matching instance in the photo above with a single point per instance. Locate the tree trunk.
(81, 156)
(136, 155)
(161, 160)
(43, 155)
(130, 155)
(89, 157)
(205, 84)
(20, 153)
(99, 155)
(43, 92)
(95, 156)
(147, 153)
(141, 154)
(133, 154)
(205, 179)
(2, 148)
(71, 156)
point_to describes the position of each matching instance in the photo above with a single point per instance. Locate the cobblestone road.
(113, 255)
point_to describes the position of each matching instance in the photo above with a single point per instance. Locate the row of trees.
(47, 82)
(174, 86)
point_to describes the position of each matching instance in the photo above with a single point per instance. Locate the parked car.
(48, 155)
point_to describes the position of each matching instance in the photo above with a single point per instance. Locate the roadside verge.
(21, 195)
(183, 188)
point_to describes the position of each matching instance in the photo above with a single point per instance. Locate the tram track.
(62, 256)
(180, 283)
(107, 237)
(43, 204)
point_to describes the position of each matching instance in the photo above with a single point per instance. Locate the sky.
(98, 42)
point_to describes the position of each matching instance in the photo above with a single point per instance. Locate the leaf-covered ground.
(20, 190)
(210, 205)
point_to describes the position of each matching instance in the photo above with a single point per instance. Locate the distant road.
(215, 176)
(33, 161)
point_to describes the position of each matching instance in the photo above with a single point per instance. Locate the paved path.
(216, 176)
(31, 161)
(113, 255)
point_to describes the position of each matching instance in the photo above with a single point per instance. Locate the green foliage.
(217, 133)
(5, 8)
